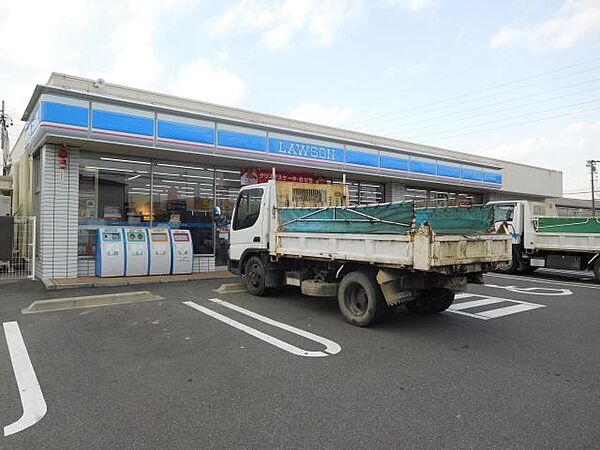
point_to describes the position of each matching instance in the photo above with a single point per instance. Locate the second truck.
(540, 238)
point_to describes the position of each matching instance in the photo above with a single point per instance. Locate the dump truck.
(371, 257)
(540, 238)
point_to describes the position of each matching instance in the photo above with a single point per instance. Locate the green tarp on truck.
(567, 225)
(387, 218)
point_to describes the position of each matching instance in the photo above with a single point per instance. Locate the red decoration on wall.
(62, 158)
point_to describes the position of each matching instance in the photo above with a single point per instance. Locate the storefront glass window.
(418, 196)
(182, 197)
(228, 186)
(112, 192)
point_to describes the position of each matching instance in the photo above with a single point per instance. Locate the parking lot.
(512, 364)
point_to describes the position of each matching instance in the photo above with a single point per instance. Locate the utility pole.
(5, 122)
(592, 165)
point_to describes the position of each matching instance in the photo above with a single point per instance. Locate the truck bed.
(577, 234)
(424, 251)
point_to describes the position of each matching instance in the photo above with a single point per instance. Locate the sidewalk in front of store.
(86, 282)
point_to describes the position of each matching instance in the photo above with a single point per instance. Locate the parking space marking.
(331, 347)
(476, 303)
(463, 307)
(543, 281)
(550, 292)
(32, 399)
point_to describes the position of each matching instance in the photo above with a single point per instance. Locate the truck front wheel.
(597, 270)
(431, 301)
(360, 299)
(511, 267)
(255, 276)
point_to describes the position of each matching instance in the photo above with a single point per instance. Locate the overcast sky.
(517, 80)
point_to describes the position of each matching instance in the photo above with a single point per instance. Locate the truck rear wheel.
(255, 277)
(431, 301)
(360, 299)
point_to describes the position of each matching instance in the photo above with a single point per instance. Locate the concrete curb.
(231, 288)
(53, 285)
(90, 301)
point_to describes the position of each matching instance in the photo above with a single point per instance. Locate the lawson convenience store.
(98, 154)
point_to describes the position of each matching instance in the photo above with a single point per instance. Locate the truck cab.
(249, 232)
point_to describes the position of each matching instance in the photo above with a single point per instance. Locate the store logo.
(306, 150)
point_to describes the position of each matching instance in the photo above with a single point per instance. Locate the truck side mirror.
(216, 212)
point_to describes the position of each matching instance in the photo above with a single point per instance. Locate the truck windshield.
(247, 208)
(503, 213)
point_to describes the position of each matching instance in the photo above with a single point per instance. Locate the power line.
(491, 112)
(490, 122)
(519, 124)
(467, 94)
(501, 102)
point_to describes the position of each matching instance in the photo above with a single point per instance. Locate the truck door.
(247, 223)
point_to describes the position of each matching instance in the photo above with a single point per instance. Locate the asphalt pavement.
(513, 364)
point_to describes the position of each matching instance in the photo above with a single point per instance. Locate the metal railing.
(19, 261)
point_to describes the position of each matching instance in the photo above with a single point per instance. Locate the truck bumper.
(233, 266)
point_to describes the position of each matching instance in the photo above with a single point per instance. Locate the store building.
(94, 154)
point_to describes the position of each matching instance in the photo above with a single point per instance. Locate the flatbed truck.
(540, 238)
(368, 257)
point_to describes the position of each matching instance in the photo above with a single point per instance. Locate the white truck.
(540, 238)
(368, 272)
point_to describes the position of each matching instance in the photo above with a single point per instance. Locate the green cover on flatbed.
(386, 218)
(568, 225)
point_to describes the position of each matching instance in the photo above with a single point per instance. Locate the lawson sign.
(283, 148)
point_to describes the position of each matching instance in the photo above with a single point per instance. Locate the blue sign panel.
(448, 171)
(492, 177)
(126, 123)
(425, 167)
(244, 141)
(305, 150)
(185, 132)
(390, 162)
(64, 114)
(472, 174)
(362, 158)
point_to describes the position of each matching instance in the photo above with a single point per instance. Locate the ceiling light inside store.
(104, 158)
(183, 167)
(109, 169)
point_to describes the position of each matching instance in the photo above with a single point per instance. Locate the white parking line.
(463, 307)
(507, 310)
(331, 347)
(476, 303)
(32, 399)
(539, 280)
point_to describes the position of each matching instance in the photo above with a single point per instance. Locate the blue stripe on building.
(390, 162)
(125, 123)
(361, 158)
(492, 177)
(60, 113)
(64, 114)
(471, 174)
(185, 132)
(428, 168)
(244, 141)
(448, 171)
